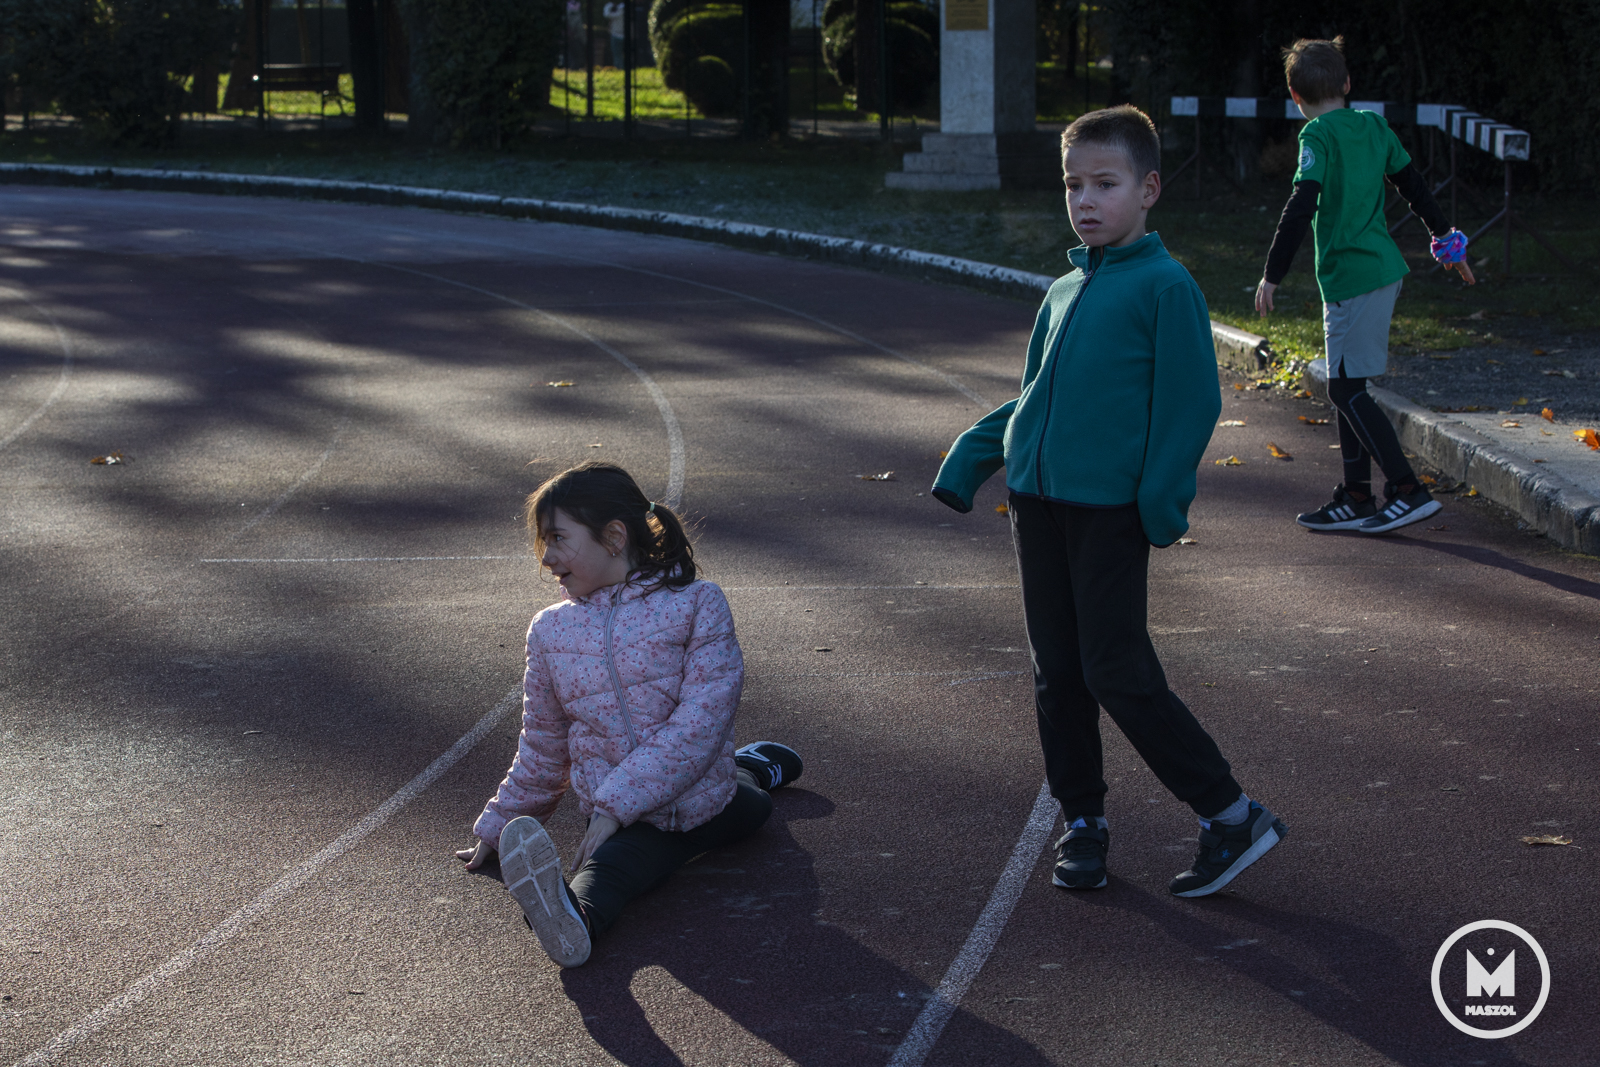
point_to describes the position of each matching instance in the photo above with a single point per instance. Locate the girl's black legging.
(638, 858)
(1365, 434)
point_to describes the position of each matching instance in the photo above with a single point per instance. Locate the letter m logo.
(1501, 983)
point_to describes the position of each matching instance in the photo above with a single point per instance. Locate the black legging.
(1364, 433)
(638, 858)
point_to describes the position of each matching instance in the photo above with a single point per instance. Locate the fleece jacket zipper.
(1050, 385)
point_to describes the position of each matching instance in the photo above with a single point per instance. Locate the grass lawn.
(836, 187)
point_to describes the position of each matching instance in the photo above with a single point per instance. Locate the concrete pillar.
(986, 137)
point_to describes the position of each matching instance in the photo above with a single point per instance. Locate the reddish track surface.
(321, 383)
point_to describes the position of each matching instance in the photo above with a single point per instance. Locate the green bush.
(485, 65)
(912, 29)
(117, 65)
(712, 87)
(689, 35)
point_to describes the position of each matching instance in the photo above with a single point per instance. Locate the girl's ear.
(614, 536)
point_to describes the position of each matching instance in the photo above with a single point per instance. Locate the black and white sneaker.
(532, 870)
(1081, 858)
(772, 764)
(1341, 513)
(1227, 850)
(1402, 510)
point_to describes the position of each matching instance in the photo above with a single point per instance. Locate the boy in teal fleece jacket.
(1119, 398)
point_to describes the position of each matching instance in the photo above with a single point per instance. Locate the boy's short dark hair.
(1125, 128)
(1316, 69)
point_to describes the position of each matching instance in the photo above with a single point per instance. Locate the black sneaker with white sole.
(1402, 510)
(532, 870)
(1341, 513)
(1227, 850)
(1081, 858)
(772, 764)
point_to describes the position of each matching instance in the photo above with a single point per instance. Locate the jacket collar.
(1145, 249)
(633, 589)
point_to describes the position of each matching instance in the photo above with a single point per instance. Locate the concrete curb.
(1565, 512)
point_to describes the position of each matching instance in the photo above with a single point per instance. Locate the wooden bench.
(300, 78)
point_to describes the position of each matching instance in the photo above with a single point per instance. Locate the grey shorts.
(1356, 332)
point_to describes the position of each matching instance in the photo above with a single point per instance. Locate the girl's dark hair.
(595, 494)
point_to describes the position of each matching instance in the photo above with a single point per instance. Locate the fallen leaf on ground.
(1519, 401)
(1538, 351)
(1239, 387)
(1427, 479)
(886, 476)
(1304, 394)
(597, 444)
(1231, 422)
(1209, 685)
(943, 453)
(1476, 316)
(1511, 424)
(1313, 422)
(1001, 509)
(1496, 362)
(1440, 355)
(110, 459)
(1231, 461)
(1559, 374)
(1546, 839)
(1264, 383)
(1588, 437)
(1547, 433)
(1187, 541)
(1541, 461)
(1439, 528)
(822, 648)
(1277, 453)
(559, 385)
(1548, 415)
(1472, 491)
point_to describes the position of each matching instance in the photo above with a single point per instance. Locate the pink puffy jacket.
(629, 696)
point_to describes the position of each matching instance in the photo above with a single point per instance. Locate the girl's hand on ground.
(601, 827)
(1465, 271)
(476, 856)
(1264, 292)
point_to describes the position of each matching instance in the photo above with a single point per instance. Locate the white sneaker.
(532, 870)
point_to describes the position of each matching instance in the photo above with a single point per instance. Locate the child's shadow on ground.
(738, 929)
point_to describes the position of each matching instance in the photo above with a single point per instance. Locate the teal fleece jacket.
(1119, 395)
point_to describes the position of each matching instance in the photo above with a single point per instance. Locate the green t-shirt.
(1349, 153)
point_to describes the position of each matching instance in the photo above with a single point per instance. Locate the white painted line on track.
(61, 380)
(930, 1022)
(370, 559)
(986, 677)
(309, 473)
(236, 923)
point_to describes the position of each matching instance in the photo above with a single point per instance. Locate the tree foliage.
(485, 65)
(118, 65)
(912, 29)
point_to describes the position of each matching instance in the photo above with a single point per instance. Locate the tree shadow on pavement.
(1377, 995)
(1488, 557)
(738, 929)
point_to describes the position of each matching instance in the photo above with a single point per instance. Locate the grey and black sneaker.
(1340, 513)
(772, 764)
(1081, 858)
(532, 870)
(1227, 850)
(1401, 510)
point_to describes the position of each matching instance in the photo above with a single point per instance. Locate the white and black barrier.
(1459, 125)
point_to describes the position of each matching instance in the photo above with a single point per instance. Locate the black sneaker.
(1341, 513)
(771, 763)
(532, 870)
(1081, 858)
(1402, 511)
(1227, 850)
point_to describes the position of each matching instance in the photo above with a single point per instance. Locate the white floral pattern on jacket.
(681, 673)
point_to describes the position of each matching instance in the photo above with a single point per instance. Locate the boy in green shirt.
(1119, 398)
(1345, 157)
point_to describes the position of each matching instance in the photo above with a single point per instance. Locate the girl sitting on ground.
(632, 682)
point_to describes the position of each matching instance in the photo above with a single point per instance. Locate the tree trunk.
(366, 63)
(867, 57)
(766, 112)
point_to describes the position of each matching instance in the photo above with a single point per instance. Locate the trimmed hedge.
(700, 51)
(912, 29)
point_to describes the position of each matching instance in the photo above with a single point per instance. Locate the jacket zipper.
(616, 682)
(1050, 386)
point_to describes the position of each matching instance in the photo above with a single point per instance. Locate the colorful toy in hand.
(1451, 248)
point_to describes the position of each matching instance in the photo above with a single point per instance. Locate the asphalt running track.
(255, 682)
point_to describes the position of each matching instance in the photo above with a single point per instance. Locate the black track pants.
(1084, 591)
(638, 858)
(1365, 434)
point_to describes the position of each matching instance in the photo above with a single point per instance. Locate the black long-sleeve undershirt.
(1302, 205)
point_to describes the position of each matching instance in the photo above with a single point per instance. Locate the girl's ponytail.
(596, 494)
